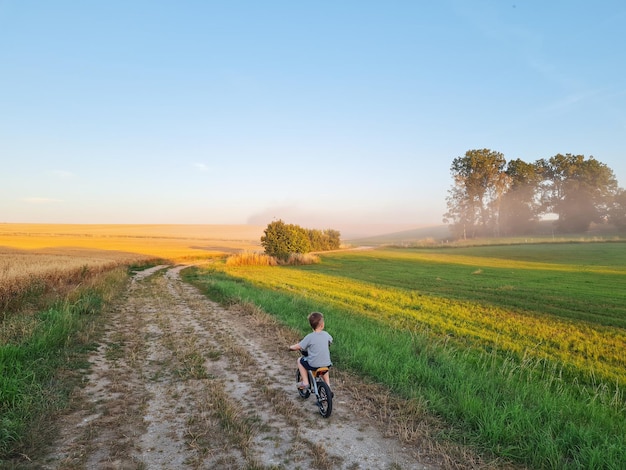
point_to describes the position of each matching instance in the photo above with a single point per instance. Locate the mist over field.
(362, 221)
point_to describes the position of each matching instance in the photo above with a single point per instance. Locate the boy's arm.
(295, 347)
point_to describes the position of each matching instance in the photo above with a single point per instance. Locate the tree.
(475, 198)
(521, 207)
(579, 191)
(617, 211)
(334, 238)
(280, 240)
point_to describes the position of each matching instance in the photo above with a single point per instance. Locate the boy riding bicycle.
(316, 345)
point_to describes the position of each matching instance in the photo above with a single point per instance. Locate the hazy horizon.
(348, 231)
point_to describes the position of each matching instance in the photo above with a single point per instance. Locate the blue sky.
(320, 113)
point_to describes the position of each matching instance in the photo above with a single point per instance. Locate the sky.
(322, 114)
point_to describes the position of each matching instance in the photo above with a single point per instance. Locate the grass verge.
(42, 355)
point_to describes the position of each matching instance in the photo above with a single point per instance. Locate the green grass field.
(520, 348)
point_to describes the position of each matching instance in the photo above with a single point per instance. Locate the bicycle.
(318, 387)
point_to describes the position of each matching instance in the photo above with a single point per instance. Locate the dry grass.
(251, 258)
(299, 259)
(31, 277)
(248, 258)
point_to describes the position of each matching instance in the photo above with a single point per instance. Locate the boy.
(316, 344)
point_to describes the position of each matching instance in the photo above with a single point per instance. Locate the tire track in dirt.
(180, 382)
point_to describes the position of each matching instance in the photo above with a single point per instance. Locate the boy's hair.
(315, 319)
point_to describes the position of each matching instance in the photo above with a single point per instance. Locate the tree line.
(493, 197)
(281, 239)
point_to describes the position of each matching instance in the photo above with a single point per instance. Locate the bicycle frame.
(316, 376)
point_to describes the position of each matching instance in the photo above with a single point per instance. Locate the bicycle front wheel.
(324, 399)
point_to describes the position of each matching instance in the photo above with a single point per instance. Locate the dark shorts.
(308, 366)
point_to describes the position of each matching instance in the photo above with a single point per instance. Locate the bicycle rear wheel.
(304, 393)
(325, 399)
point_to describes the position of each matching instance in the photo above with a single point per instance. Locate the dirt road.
(180, 382)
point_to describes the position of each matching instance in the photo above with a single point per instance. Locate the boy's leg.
(304, 375)
(326, 378)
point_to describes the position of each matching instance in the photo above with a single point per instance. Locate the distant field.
(441, 235)
(163, 241)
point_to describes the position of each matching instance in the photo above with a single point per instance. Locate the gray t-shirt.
(316, 344)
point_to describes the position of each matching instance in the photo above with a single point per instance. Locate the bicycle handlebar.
(304, 352)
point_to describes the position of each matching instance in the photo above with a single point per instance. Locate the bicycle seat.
(320, 371)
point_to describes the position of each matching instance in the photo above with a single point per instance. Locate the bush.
(282, 240)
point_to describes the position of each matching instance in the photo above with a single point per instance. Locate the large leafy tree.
(617, 211)
(521, 207)
(474, 200)
(488, 200)
(580, 191)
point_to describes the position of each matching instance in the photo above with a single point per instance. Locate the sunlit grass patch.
(595, 351)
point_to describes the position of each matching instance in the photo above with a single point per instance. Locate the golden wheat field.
(131, 241)
(54, 255)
